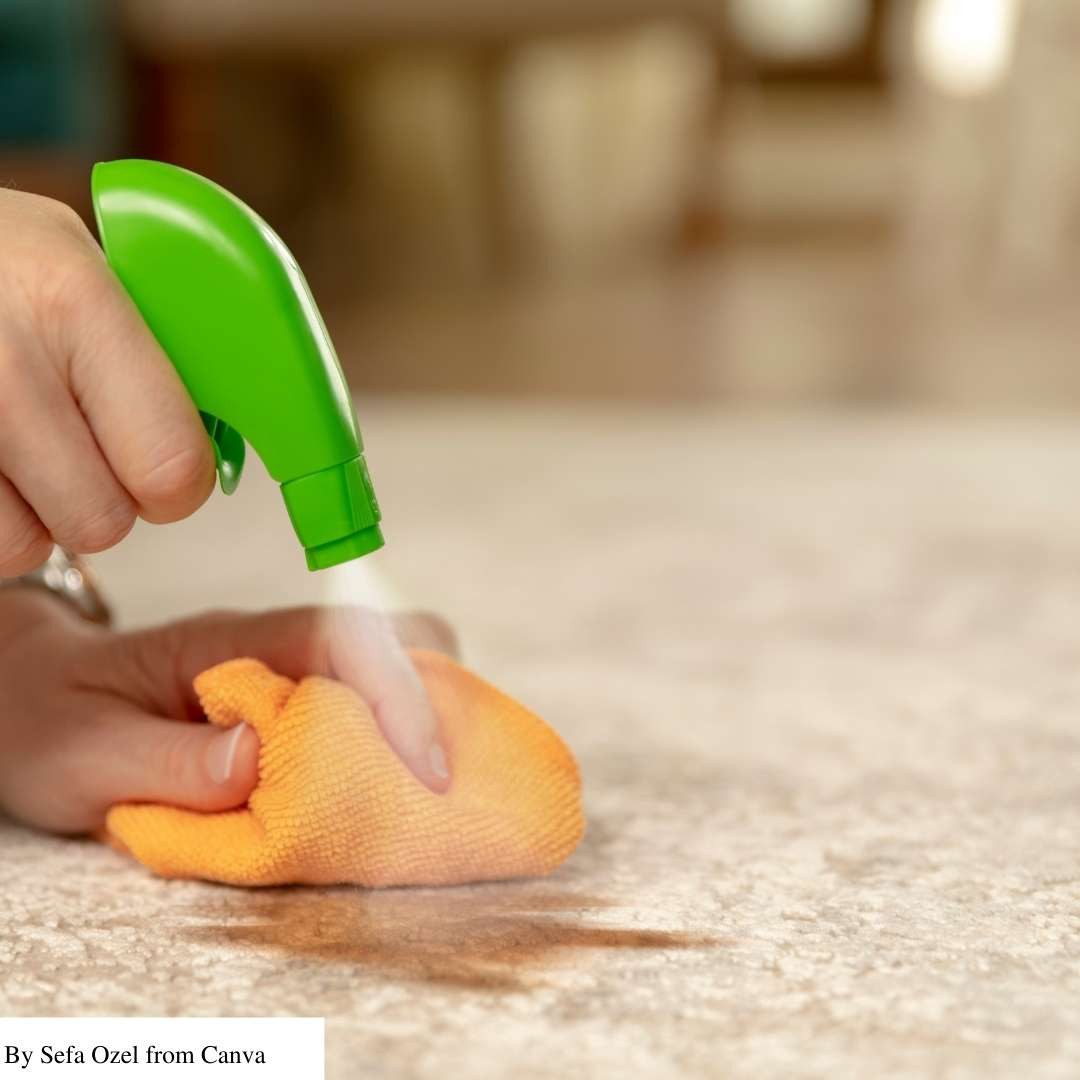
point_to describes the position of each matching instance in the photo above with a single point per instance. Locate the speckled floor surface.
(823, 677)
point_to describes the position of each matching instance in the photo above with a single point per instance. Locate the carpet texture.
(822, 676)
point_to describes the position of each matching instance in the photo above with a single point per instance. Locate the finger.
(136, 405)
(24, 541)
(359, 647)
(365, 652)
(49, 455)
(135, 757)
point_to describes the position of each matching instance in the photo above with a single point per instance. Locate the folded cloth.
(334, 804)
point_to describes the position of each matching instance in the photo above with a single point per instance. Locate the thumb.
(195, 765)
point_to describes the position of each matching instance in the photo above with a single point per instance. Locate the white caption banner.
(290, 1048)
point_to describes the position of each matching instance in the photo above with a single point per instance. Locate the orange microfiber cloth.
(333, 804)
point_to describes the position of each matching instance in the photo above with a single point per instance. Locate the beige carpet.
(823, 676)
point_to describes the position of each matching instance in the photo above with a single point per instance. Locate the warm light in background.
(799, 29)
(965, 46)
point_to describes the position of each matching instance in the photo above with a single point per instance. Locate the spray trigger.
(229, 451)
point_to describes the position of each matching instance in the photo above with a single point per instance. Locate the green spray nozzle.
(227, 302)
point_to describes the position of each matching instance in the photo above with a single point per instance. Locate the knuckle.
(44, 215)
(52, 257)
(88, 284)
(97, 528)
(25, 546)
(80, 291)
(183, 475)
(66, 218)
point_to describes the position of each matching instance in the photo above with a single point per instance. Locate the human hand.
(90, 717)
(96, 428)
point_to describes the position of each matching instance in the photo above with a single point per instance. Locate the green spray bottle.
(227, 302)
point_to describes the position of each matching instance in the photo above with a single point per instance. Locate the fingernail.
(222, 753)
(437, 757)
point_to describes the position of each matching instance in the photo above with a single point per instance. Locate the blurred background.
(761, 201)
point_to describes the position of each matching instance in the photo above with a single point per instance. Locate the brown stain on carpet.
(493, 939)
